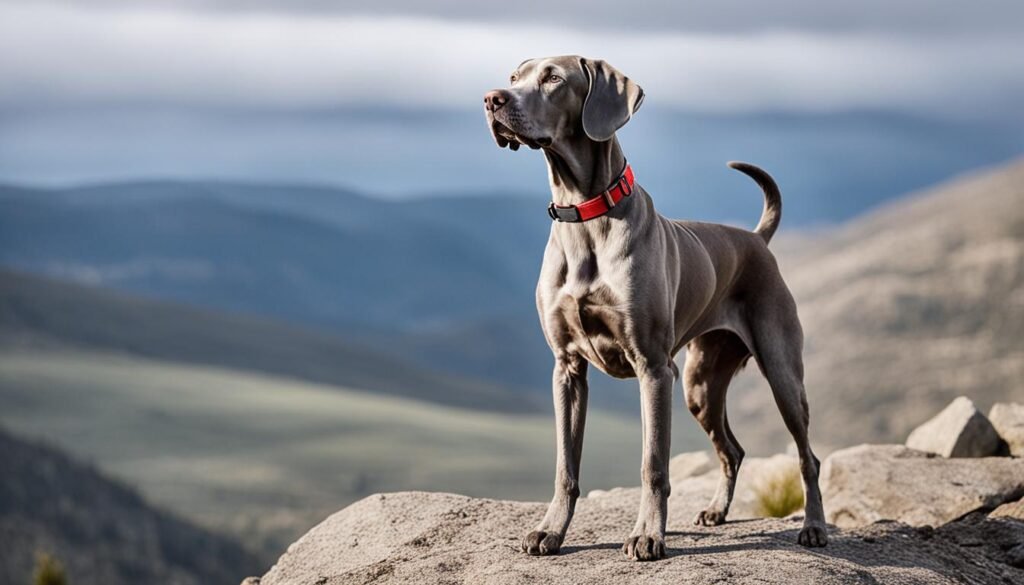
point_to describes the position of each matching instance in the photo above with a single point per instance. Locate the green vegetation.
(48, 571)
(779, 492)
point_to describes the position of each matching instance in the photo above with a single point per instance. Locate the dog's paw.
(709, 518)
(813, 536)
(644, 548)
(539, 543)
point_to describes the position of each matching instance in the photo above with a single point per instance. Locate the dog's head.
(558, 99)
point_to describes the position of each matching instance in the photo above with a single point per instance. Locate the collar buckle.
(609, 199)
(623, 183)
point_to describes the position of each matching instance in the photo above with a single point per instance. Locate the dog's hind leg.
(778, 341)
(711, 362)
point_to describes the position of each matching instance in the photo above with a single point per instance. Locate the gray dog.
(625, 289)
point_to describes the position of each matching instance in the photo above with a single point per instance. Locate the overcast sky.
(94, 89)
(949, 58)
(929, 17)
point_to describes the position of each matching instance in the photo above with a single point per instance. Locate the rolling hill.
(39, 312)
(103, 532)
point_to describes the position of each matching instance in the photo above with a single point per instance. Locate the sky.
(313, 90)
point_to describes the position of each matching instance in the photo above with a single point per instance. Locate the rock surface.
(1008, 420)
(960, 430)
(691, 464)
(430, 538)
(944, 533)
(868, 483)
(1010, 510)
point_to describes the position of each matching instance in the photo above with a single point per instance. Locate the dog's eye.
(514, 78)
(554, 79)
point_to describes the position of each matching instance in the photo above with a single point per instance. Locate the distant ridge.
(101, 531)
(41, 312)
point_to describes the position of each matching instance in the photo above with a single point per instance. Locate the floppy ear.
(611, 100)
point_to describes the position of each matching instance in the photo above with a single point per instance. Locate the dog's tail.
(772, 213)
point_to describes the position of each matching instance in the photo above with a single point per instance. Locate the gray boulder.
(694, 463)
(1008, 420)
(960, 430)
(869, 483)
(1010, 510)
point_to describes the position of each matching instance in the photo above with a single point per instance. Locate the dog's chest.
(590, 317)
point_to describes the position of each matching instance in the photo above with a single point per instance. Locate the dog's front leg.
(569, 386)
(647, 541)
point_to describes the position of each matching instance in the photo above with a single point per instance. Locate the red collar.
(595, 206)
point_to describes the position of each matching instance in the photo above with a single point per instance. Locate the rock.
(869, 483)
(428, 538)
(1009, 510)
(686, 465)
(1008, 420)
(960, 430)
(251, 581)
(1016, 556)
(998, 539)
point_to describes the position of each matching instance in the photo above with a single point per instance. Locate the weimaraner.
(627, 289)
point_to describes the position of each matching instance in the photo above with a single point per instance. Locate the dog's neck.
(581, 169)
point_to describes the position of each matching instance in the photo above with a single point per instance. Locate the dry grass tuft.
(779, 492)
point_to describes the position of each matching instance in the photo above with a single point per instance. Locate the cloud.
(878, 16)
(63, 54)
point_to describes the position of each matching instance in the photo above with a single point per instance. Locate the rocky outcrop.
(429, 538)
(1008, 420)
(898, 514)
(960, 430)
(869, 483)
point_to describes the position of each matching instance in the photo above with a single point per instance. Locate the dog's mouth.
(505, 136)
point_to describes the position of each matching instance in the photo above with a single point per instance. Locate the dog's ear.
(611, 99)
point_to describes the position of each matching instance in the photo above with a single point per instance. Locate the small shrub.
(48, 571)
(779, 492)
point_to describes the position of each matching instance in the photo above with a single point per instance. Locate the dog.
(624, 289)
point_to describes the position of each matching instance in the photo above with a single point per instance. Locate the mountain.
(200, 247)
(39, 312)
(904, 309)
(101, 531)
(833, 165)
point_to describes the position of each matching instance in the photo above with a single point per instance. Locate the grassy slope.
(266, 457)
(41, 312)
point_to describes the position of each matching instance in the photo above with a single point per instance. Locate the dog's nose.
(495, 99)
